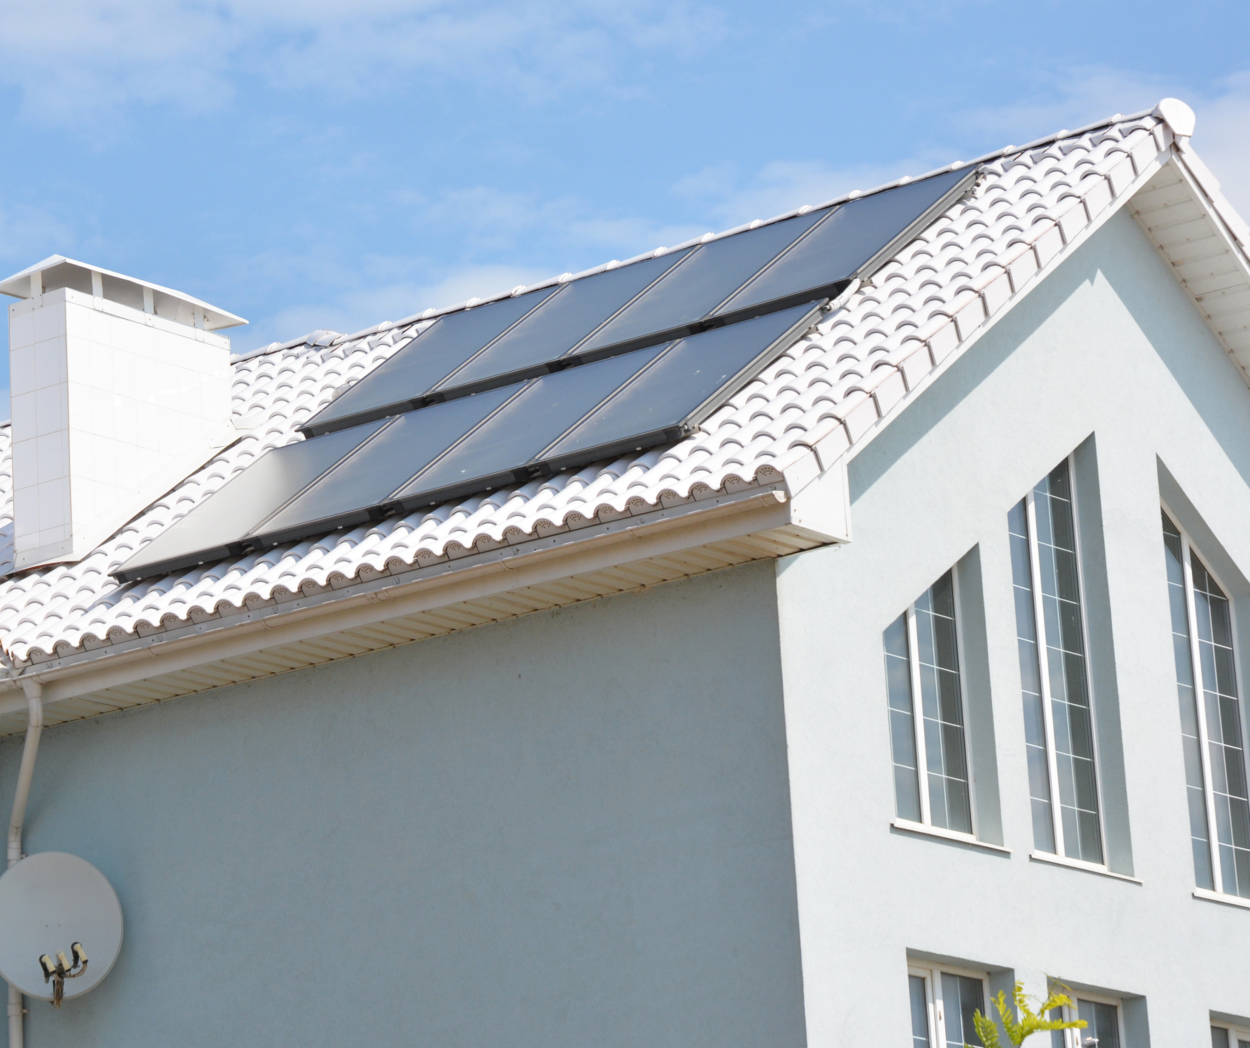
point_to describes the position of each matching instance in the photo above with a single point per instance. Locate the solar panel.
(400, 382)
(622, 360)
(848, 243)
(216, 527)
(684, 385)
(689, 292)
(501, 451)
(797, 260)
(559, 323)
(502, 436)
(365, 478)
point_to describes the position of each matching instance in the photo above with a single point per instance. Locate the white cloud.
(75, 61)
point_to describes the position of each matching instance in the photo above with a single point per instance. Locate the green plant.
(1029, 1023)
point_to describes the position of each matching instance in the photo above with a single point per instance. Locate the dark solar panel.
(366, 478)
(561, 322)
(501, 451)
(215, 529)
(689, 292)
(848, 243)
(800, 259)
(397, 384)
(688, 382)
(709, 317)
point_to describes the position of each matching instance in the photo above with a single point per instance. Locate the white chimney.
(119, 389)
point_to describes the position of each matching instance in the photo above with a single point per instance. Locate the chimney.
(120, 388)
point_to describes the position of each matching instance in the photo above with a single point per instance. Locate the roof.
(826, 396)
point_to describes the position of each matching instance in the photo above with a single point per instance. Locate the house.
(844, 687)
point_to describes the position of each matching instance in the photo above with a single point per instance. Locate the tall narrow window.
(931, 781)
(1215, 760)
(1058, 711)
(942, 1005)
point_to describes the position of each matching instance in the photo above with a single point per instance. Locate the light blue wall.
(567, 829)
(1107, 354)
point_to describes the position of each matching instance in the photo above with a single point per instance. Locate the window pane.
(1224, 742)
(1030, 681)
(919, 1012)
(1219, 1037)
(902, 725)
(1068, 677)
(1104, 1023)
(949, 796)
(961, 997)
(1056, 1036)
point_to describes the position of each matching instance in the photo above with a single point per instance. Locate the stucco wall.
(1107, 354)
(567, 829)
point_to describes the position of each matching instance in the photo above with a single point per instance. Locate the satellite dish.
(48, 902)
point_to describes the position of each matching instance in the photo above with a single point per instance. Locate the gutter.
(818, 510)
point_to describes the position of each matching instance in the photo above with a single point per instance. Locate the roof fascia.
(817, 512)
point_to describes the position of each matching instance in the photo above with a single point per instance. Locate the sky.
(322, 164)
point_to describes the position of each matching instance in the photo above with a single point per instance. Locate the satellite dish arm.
(34, 728)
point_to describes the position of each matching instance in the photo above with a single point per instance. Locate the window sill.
(1080, 864)
(907, 826)
(1227, 900)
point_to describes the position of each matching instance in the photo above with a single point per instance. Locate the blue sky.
(313, 163)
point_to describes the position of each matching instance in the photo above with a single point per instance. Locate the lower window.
(943, 1001)
(1102, 1017)
(1229, 1036)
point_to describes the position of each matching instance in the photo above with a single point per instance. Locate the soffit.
(1202, 252)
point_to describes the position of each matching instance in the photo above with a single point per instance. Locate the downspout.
(34, 728)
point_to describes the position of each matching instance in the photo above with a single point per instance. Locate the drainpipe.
(34, 728)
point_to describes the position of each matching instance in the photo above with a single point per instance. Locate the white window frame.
(1039, 626)
(917, 716)
(1075, 1038)
(933, 995)
(1235, 1033)
(1195, 663)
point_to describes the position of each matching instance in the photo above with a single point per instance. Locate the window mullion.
(1200, 705)
(1043, 665)
(917, 709)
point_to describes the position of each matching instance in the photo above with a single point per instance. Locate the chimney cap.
(18, 286)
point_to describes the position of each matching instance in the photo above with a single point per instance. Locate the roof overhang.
(803, 508)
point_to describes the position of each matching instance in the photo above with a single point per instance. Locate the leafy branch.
(1030, 1021)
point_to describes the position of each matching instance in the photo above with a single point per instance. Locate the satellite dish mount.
(59, 970)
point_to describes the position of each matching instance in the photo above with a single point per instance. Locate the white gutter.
(34, 728)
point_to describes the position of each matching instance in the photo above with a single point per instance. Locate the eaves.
(801, 510)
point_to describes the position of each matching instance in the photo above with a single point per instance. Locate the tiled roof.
(831, 388)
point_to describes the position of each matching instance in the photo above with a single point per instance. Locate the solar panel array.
(550, 379)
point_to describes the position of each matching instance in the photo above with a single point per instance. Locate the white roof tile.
(833, 385)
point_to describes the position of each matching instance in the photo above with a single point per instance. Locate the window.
(1102, 1018)
(942, 1005)
(931, 780)
(1058, 709)
(1215, 761)
(1224, 1037)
